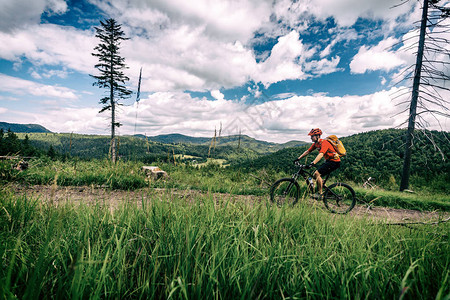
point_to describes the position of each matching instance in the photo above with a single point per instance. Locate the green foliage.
(130, 148)
(10, 144)
(205, 248)
(122, 175)
(374, 154)
(419, 201)
(7, 171)
(110, 65)
(379, 154)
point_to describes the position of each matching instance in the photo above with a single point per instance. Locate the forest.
(379, 154)
(376, 154)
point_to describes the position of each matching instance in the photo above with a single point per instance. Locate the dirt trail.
(114, 197)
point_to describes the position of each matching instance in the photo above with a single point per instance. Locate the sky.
(270, 69)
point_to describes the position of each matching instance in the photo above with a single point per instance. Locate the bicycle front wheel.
(285, 191)
(339, 198)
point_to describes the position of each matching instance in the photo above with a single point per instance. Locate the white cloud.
(341, 35)
(285, 61)
(181, 46)
(19, 86)
(79, 120)
(346, 12)
(48, 44)
(228, 20)
(323, 66)
(217, 95)
(8, 98)
(325, 52)
(278, 121)
(184, 58)
(379, 57)
(21, 13)
(35, 74)
(208, 47)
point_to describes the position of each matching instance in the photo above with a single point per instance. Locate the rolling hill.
(19, 128)
(377, 154)
(160, 147)
(231, 140)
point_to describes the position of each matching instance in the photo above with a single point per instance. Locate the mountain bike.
(338, 198)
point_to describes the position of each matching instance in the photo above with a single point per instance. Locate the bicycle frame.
(305, 174)
(338, 197)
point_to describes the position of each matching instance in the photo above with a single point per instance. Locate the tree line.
(10, 144)
(377, 154)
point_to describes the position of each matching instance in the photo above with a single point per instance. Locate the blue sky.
(270, 69)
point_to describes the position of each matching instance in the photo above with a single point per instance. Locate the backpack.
(337, 145)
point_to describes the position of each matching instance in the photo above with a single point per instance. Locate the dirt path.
(114, 197)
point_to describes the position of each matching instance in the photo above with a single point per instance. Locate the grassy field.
(167, 247)
(212, 177)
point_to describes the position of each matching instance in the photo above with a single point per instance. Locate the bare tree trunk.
(113, 122)
(113, 138)
(415, 94)
(239, 141)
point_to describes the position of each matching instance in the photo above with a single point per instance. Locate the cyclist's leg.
(325, 169)
(319, 181)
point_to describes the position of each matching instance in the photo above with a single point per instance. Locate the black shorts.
(328, 167)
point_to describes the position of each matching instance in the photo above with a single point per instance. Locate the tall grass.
(418, 201)
(129, 176)
(169, 247)
(122, 175)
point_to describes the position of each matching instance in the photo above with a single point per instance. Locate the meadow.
(164, 246)
(167, 247)
(128, 175)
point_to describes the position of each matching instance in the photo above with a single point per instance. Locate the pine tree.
(112, 77)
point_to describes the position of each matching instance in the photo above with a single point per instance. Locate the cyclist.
(326, 150)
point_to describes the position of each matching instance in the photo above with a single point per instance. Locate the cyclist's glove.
(309, 166)
(296, 160)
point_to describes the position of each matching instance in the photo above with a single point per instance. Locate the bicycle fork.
(286, 192)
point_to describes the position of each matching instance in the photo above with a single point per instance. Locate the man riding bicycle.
(326, 150)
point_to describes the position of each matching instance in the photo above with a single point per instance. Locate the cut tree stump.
(155, 173)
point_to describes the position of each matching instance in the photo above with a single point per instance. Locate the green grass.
(418, 201)
(129, 176)
(166, 247)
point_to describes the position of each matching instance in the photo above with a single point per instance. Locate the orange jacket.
(326, 148)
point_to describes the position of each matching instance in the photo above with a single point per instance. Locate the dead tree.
(429, 78)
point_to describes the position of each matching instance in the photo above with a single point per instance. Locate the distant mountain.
(243, 141)
(176, 138)
(25, 128)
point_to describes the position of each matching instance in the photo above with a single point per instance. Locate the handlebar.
(299, 164)
(302, 167)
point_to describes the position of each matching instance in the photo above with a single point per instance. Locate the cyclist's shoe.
(317, 196)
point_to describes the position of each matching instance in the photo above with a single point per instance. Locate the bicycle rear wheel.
(339, 198)
(285, 191)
